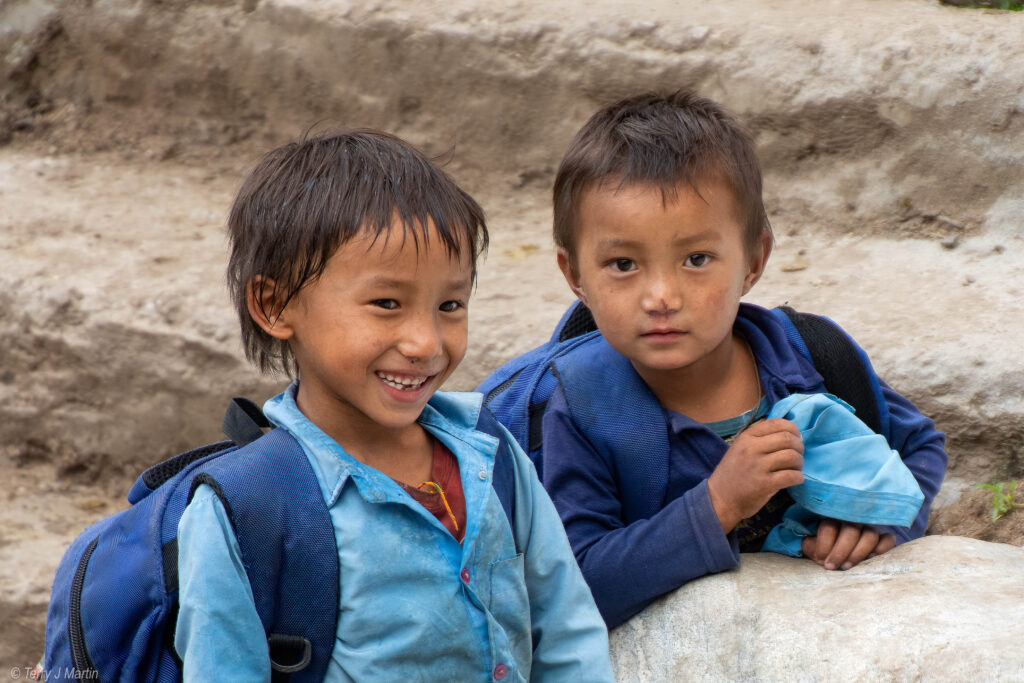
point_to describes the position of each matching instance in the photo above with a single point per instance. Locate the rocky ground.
(892, 136)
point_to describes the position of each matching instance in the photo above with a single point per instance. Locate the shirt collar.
(451, 416)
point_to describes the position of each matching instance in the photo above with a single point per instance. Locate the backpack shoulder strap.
(244, 421)
(517, 392)
(842, 364)
(621, 418)
(273, 499)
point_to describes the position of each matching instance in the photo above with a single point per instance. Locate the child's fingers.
(884, 545)
(828, 531)
(770, 442)
(787, 459)
(867, 543)
(809, 547)
(846, 541)
(785, 478)
(775, 425)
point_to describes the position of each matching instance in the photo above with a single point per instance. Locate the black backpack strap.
(846, 371)
(244, 421)
(504, 478)
(273, 498)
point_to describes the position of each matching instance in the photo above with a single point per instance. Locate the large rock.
(942, 608)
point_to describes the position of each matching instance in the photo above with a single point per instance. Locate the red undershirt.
(445, 472)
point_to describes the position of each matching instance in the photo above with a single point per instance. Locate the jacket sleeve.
(570, 639)
(626, 565)
(922, 448)
(219, 635)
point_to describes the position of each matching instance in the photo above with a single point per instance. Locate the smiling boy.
(660, 230)
(352, 262)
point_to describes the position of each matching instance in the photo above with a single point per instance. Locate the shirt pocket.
(509, 604)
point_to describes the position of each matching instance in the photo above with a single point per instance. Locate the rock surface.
(942, 608)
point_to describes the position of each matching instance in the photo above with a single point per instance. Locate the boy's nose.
(421, 339)
(662, 295)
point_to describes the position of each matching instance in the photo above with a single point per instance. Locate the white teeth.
(403, 383)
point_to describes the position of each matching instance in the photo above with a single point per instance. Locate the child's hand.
(842, 545)
(763, 459)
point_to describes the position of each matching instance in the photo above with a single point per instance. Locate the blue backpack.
(518, 392)
(114, 603)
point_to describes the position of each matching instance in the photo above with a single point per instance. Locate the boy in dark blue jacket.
(660, 230)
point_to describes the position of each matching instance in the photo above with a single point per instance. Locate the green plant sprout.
(1011, 5)
(1002, 500)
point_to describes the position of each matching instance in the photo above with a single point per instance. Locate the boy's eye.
(451, 306)
(387, 304)
(696, 260)
(623, 265)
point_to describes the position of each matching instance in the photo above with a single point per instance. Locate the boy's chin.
(660, 362)
(659, 367)
(397, 421)
(654, 356)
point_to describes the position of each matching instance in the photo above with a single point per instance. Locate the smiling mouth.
(401, 383)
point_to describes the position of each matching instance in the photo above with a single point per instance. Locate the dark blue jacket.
(629, 478)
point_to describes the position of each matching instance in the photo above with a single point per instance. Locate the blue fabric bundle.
(850, 473)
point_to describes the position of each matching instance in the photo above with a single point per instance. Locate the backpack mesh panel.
(163, 471)
(580, 322)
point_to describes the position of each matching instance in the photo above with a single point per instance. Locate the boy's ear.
(265, 308)
(759, 254)
(569, 272)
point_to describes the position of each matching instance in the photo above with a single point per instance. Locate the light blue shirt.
(414, 603)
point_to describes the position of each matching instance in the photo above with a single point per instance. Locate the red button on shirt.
(465, 576)
(500, 671)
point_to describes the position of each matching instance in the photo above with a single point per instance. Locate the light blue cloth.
(407, 612)
(850, 473)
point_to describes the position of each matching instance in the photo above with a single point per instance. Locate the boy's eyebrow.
(705, 236)
(461, 283)
(385, 282)
(617, 243)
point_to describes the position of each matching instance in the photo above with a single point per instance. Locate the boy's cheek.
(457, 345)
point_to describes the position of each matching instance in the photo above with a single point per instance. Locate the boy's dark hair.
(306, 199)
(665, 140)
